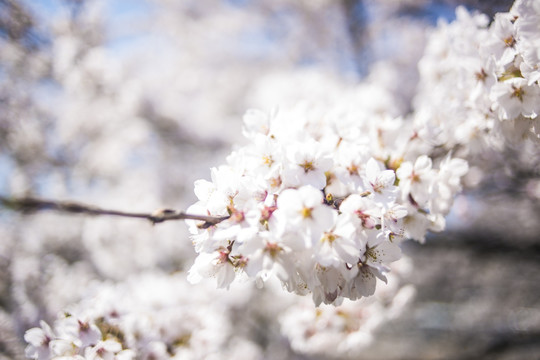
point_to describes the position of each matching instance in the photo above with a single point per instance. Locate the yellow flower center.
(306, 212)
(273, 249)
(267, 160)
(308, 166)
(518, 92)
(330, 237)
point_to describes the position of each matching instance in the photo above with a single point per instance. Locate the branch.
(30, 205)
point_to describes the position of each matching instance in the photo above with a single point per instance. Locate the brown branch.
(30, 205)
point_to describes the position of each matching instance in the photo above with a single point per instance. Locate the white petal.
(423, 163)
(372, 170)
(311, 197)
(386, 178)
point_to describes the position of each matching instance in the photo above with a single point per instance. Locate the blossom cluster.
(479, 81)
(321, 199)
(162, 316)
(345, 330)
(322, 194)
(73, 338)
(154, 316)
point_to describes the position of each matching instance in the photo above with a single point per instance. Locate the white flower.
(38, 340)
(107, 350)
(227, 191)
(326, 284)
(82, 333)
(327, 331)
(364, 283)
(361, 210)
(264, 155)
(267, 256)
(338, 245)
(307, 165)
(515, 97)
(392, 221)
(502, 43)
(350, 163)
(528, 20)
(217, 264)
(530, 67)
(380, 183)
(380, 255)
(416, 180)
(447, 184)
(416, 225)
(302, 210)
(520, 129)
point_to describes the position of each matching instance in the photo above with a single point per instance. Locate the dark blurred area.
(478, 294)
(17, 24)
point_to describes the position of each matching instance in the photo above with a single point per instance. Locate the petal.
(386, 178)
(203, 189)
(35, 336)
(405, 170)
(225, 275)
(311, 197)
(422, 164)
(372, 170)
(289, 200)
(347, 251)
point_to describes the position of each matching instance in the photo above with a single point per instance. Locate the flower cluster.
(321, 199)
(322, 196)
(343, 331)
(149, 317)
(73, 338)
(479, 83)
(317, 200)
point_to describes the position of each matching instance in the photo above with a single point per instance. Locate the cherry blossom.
(315, 201)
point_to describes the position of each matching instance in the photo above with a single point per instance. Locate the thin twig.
(30, 205)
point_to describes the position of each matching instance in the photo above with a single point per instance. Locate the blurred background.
(124, 104)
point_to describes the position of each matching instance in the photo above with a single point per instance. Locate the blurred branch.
(18, 25)
(30, 205)
(355, 16)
